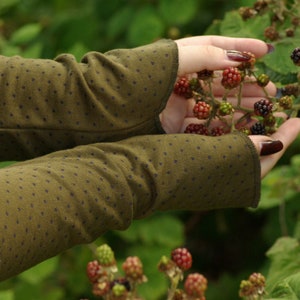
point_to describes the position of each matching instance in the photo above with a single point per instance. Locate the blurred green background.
(226, 245)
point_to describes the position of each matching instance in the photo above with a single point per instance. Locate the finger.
(255, 46)
(286, 134)
(248, 90)
(193, 59)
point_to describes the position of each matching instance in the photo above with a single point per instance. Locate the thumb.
(193, 59)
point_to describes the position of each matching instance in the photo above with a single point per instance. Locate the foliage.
(220, 241)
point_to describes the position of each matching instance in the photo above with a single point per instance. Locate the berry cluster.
(106, 284)
(194, 285)
(109, 284)
(218, 115)
(253, 287)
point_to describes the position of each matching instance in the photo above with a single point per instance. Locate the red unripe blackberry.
(201, 110)
(101, 288)
(195, 285)
(94, 271)
(133, 268)
(263, 107)
(217, 131)
(197, 129)
(258, 129)
(231, 78)
(295, 56)
(182, 258)
(182, 87)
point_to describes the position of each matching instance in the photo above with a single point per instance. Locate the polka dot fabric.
(70, 197)
(49, 105)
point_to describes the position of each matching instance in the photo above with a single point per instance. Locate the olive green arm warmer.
(49, 105)
(51, 203)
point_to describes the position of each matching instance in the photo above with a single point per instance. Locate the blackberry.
(295, 56)
(182, 87)
(231, 78)
(133, 268)
(290, 89)
(106, 256)
(201, 110)
(196, 129)
(225, 108)
(263, 107)
(217, 131)
(271, 33)
(258, 129)
(182, 258)
(286, 102)
(195, 285)
(262, 80)
(205, 74)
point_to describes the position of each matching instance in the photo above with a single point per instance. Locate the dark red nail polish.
(238, 56)
(270, 147)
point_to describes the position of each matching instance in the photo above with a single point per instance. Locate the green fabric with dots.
(96, 158)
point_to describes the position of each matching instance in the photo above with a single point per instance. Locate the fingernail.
(270, 147)
(238, 56)
(271, 48)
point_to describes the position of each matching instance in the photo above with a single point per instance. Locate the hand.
(209, 52)
(285, 135)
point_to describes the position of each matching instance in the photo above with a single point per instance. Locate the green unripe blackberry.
(286, 102)
(262, 80)
(105, 255)
(225, 108)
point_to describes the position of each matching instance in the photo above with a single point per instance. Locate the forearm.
(48, 105)
(52, 203)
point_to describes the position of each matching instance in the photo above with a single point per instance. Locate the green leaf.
(285, 260)
(163, 230)
(26, 34)
(119, 20)
(40, 272)
(279, 60)
(145, 27)
(7, 4)
(7, 295)
(178, 12)
(274, 187)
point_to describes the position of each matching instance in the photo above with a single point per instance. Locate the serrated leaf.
(280, 60)
(26, 33)
(177, 12)
(285, 260)
(145, 27)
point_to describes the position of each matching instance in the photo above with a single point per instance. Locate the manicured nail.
(270, 48)
(270, 147)
(238, 56)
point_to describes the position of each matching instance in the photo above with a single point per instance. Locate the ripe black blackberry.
(295, 56)
(258, 129)
(263, 107)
